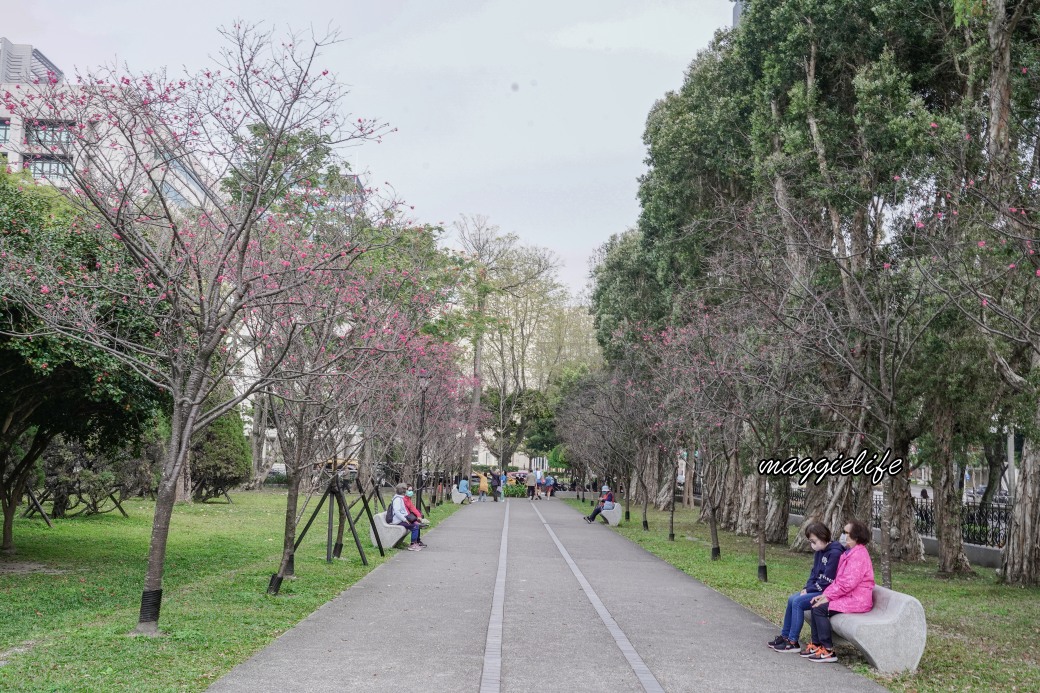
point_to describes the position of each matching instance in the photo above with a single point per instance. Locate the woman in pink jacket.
(852, 592)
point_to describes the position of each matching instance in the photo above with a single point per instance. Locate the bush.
(515, 491)
(221, 458)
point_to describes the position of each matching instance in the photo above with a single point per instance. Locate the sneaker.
(823, 655)
(787, 646)
(588, 519)
(778, 640)
(420, 544)
(414, 547)
(809, 650)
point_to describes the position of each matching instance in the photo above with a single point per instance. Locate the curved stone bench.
(389, 535)
(614, 515)
(891, 636)
(457, 496)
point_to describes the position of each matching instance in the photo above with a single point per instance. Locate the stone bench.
(457, 496)
(614, 515)
(389, 535)
(891, 636)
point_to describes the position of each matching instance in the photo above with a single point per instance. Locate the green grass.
(982, 635)
(74, 627)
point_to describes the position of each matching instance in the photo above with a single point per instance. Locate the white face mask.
(843, 538)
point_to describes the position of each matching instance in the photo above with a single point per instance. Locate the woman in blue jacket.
(824, 568)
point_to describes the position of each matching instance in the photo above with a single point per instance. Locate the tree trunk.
(996, 452)
(760, 522)
(183, 486)
(947, 497)
(779, 510)
(258, 445)
(9, 508)
(181, 423)
(906, 540)
(1021, 561)
(748, 516)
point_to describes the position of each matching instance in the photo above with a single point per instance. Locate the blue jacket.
(824, 567)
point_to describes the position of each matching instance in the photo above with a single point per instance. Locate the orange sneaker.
(809, 650)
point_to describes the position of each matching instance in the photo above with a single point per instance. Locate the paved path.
(548, 604)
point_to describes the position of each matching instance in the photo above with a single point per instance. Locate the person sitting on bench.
(409, 504)
(852, 592)
(398, 511)
(606, 502)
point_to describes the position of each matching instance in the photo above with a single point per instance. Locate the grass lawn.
(68, 630)
(982, 635)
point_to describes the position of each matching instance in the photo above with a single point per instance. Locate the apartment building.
(30, 146)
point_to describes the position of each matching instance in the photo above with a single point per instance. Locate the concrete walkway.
(549, 604)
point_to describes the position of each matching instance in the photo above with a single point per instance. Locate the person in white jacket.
(400, 513)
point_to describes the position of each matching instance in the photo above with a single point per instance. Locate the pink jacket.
(852, 591)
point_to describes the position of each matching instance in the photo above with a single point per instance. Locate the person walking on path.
(532, 485)
(401, 516)
(606, 502)
(482, 487)
(852, 592)
(824, 568)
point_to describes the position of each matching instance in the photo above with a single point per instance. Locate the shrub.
(221, 458)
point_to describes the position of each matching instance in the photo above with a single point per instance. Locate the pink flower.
(888, 265)
(935, 125)
(985, 302)
(895, 177)
(982, 244)
(1011, 266)
(44, 290)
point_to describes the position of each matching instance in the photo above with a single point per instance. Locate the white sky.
(529, 112)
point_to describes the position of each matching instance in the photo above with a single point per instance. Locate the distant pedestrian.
(532, 485)
(496, 484)
(924, 494)
(606, 502)
(549, 481)
(482, 487)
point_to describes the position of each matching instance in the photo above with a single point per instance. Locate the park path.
(526, 596)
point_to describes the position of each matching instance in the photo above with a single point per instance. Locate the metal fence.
(985, 525)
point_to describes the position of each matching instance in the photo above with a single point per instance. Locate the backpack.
(390, 512)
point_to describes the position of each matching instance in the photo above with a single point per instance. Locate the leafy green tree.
(221, 457)
(52, 385)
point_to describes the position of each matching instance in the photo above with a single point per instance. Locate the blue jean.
(414, 527)
(797, 605)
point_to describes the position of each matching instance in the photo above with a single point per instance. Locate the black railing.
(985, 525)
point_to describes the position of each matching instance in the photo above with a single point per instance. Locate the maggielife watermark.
(860, 465)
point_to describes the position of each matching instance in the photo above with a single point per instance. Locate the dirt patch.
(19, 649)
(21, 567)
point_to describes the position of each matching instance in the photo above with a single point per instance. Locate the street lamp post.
(424, 383)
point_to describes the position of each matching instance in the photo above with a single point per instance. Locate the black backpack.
(390, 512)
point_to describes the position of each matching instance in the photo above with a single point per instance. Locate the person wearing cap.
(606, 502)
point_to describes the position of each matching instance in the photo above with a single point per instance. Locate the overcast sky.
(528, 112)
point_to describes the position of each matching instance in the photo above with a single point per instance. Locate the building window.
(49, 167)
(49, 133)
(5, 130)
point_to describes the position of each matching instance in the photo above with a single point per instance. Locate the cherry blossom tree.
(144, 154)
